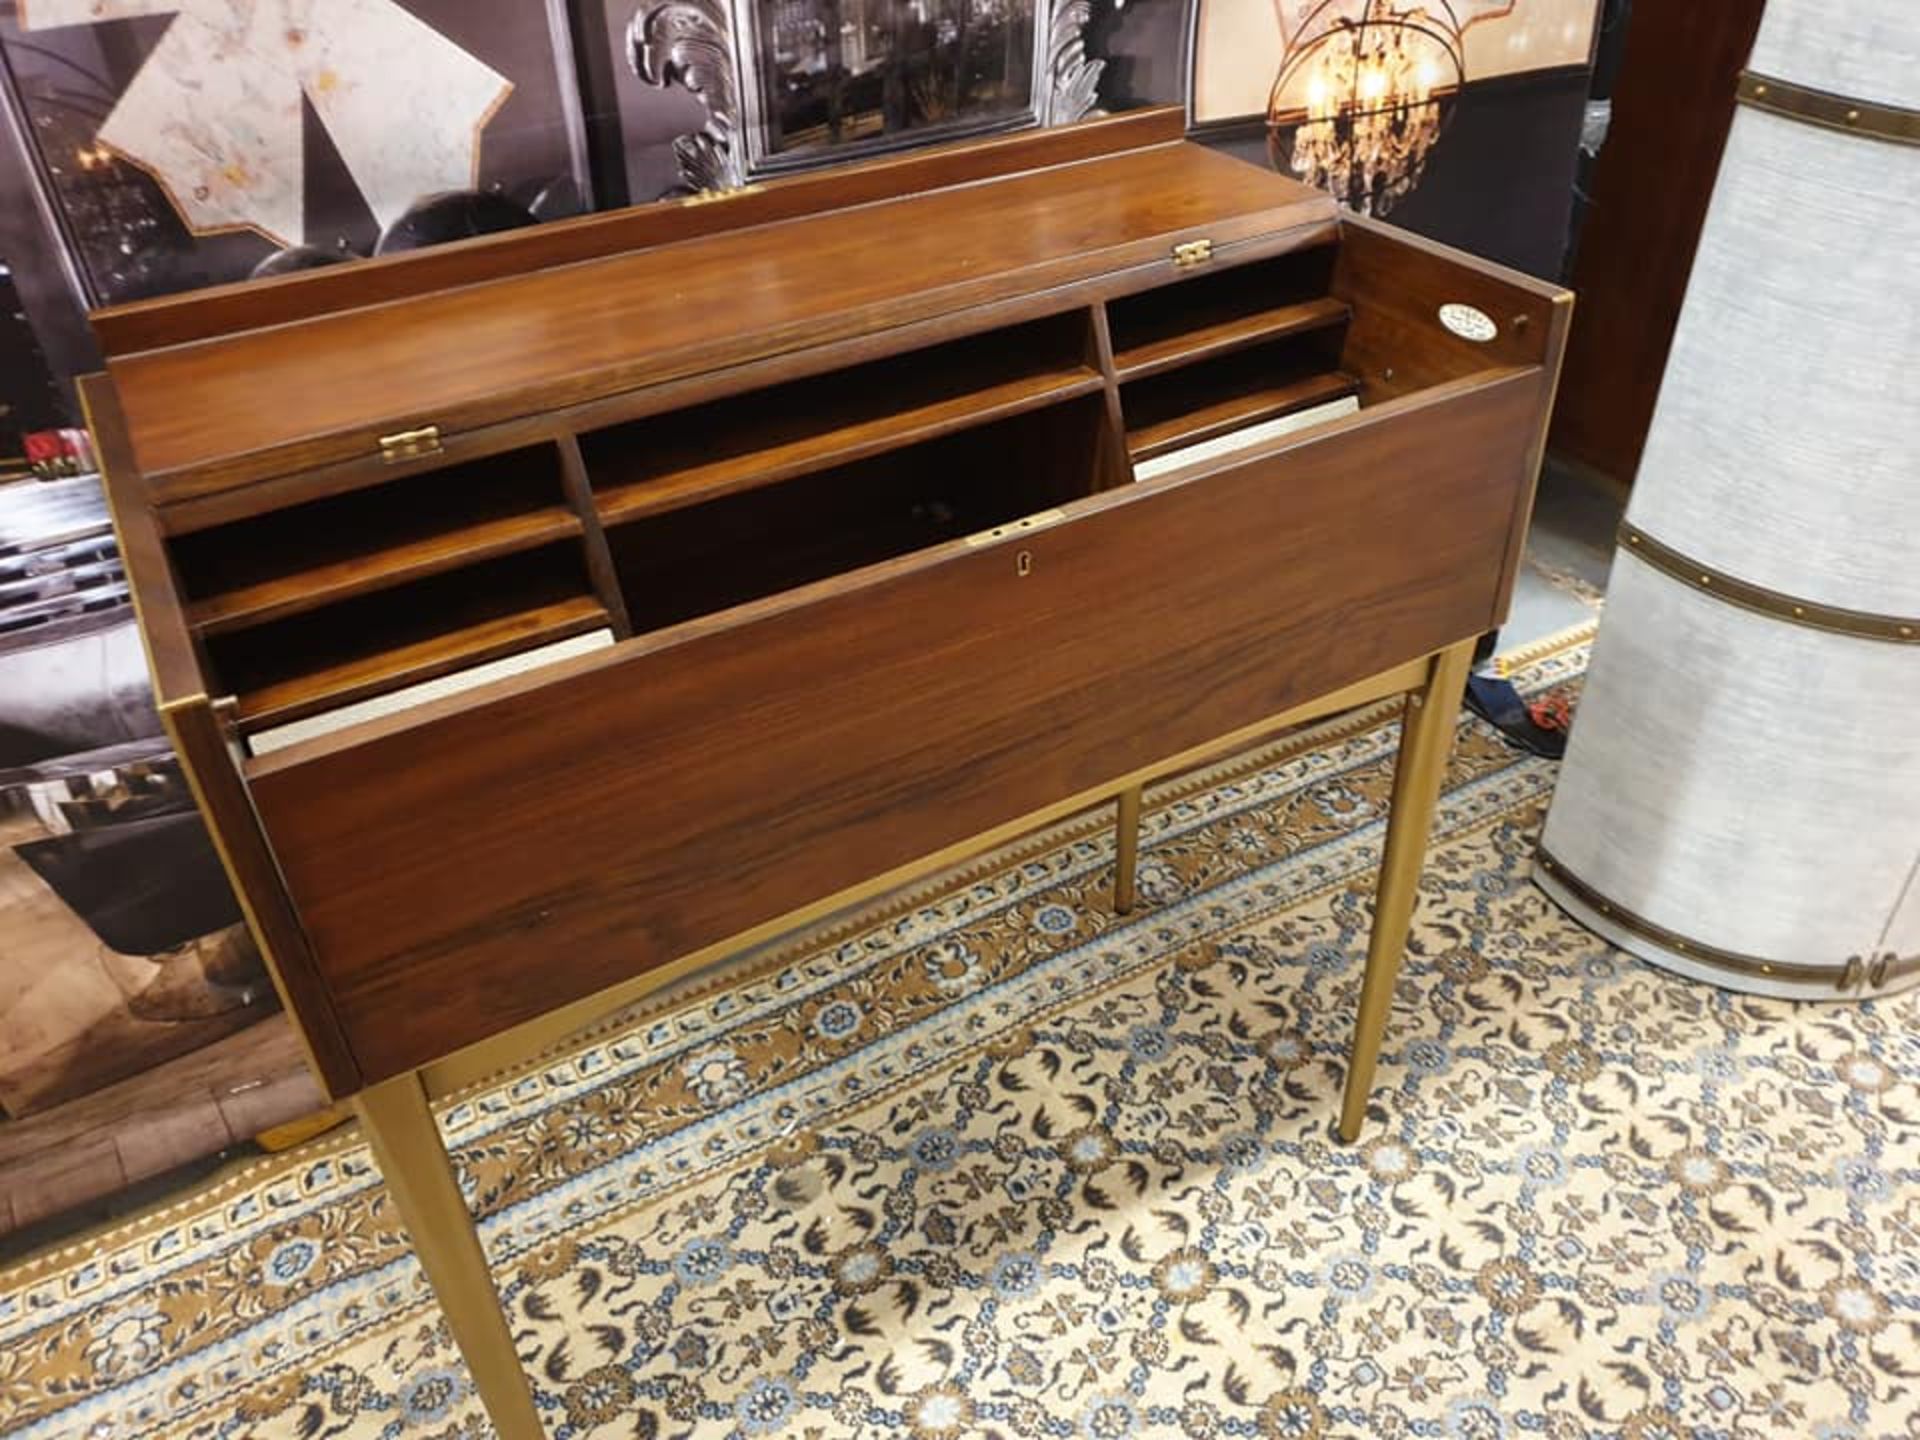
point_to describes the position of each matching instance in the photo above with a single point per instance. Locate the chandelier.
(1365, 97)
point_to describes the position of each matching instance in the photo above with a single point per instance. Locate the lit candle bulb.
(1317, 106)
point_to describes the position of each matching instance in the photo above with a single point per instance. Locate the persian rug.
(991, 1161)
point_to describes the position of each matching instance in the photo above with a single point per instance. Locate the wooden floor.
(73, 1134)
(65, 1025)
(67, 1160)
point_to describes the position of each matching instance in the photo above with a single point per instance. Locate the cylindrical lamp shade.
(1740, 799)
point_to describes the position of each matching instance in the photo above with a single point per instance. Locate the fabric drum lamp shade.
(1740, 800)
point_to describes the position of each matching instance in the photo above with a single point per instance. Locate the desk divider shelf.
(288, 669)
(265, 568)
(1227, 349)
(1222, 336)
(1215, 307)
(1185, 407)
(327, 581)
(686, 457)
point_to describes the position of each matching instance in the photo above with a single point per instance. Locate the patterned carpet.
(995, 1163)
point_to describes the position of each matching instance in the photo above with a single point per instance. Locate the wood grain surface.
(245, 305)
(168, 1115)
(208, 415)
(172, 659)
(201, 743)
(474, 865)
(819, 438)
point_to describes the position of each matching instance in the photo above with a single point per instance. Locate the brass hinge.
(1192, 252)
(1039, 520)
(410, 444)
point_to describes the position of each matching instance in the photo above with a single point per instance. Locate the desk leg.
(1426, 739)
(1126, 849)
(420, 1178)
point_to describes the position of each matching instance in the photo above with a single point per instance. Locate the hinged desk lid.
(236, 407)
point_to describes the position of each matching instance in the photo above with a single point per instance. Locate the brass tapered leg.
(420, 1177)
(1126, 849)
(1426, 739)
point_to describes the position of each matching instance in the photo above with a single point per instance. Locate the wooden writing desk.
(843, 472)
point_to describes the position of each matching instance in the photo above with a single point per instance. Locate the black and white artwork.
(186, 142)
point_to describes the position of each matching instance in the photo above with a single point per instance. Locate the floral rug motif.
(994, 1162)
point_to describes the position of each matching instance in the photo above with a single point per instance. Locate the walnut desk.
(540, 617)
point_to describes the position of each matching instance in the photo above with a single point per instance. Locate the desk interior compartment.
(383, 640)
(689, 456)
(704, 558)
(380, 535)
(1216, 312)
(1208, 398)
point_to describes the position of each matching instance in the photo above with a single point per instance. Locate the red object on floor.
(1551, 712)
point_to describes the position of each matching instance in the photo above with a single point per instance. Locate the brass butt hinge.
(1039, 520)
(410, 444)
(1192, 252)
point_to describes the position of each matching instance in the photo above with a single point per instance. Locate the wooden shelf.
(789, 458)
(383, 640)
(338, 579)
(270, 567)
(275, 702)
(1186, 417)
(709, 451)
(1224, 334)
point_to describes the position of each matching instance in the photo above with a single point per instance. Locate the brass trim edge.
(1892, 123)
(1710, 955)
(1775, 604)
(1890, 969)
(119, 537)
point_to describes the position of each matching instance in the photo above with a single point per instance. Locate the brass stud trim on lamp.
(1833, 112)
(1698, 952)
(1899, 629)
